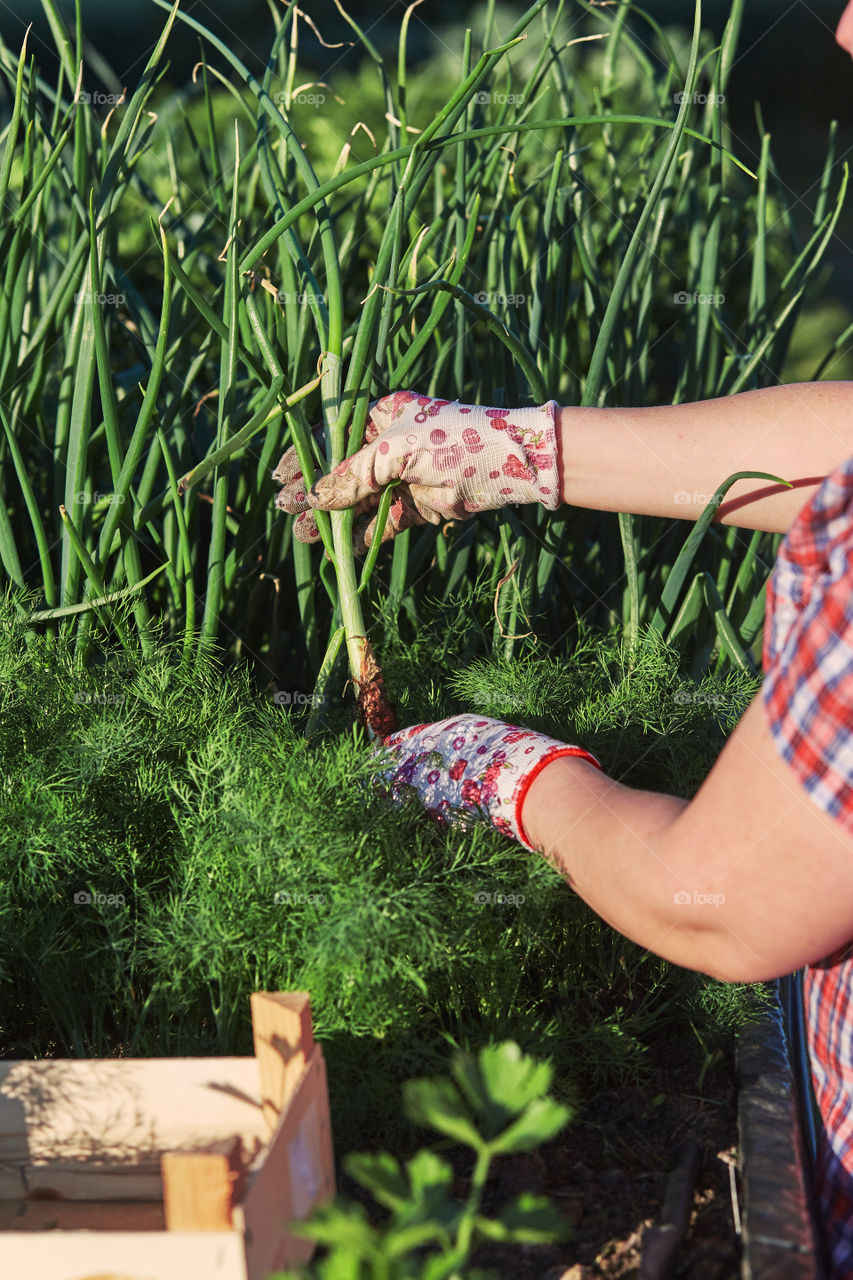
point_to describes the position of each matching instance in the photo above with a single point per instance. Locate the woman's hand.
(292, 496)
(452, 461)
(472, 763)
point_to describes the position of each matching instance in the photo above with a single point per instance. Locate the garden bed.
(609, 1173)
(219, 854)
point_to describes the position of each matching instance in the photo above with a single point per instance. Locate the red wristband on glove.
(470, 761)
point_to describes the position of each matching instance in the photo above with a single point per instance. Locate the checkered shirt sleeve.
(808, 646)
(808, 694)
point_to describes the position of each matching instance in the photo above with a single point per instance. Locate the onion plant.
(192, 279)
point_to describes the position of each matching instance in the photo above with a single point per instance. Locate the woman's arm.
(668, 460)
(749, 880)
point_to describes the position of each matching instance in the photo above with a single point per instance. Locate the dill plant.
(243, 859)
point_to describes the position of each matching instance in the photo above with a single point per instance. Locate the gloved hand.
(471, 761)
(292, 497)
(454, 460)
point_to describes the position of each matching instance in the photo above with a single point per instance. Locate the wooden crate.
(166, 1168)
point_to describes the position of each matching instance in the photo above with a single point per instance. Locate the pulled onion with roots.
(374, 710)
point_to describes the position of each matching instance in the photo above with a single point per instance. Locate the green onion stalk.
(375, 711)
(336, 528)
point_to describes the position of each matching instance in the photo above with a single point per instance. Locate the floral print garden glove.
(453, 460)
(471, 762)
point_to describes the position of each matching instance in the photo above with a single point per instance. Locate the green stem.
(92, 573)
(475, 1196)
(317, 715)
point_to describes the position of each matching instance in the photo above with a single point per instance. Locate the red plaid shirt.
(808, 694)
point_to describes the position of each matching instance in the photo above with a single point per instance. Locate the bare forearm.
(607, 840)
(668, 460)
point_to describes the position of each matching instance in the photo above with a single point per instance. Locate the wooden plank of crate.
(200, 1187)
(284, 1038)
(295, 1172)
(126, 1111)
(130, 1255)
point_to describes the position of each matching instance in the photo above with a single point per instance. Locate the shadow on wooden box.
(166, 1168)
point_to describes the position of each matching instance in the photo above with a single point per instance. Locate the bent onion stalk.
(339, 402)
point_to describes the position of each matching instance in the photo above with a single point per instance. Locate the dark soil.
(608, 1173)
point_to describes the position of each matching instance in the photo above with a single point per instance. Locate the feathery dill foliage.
(238, 859)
